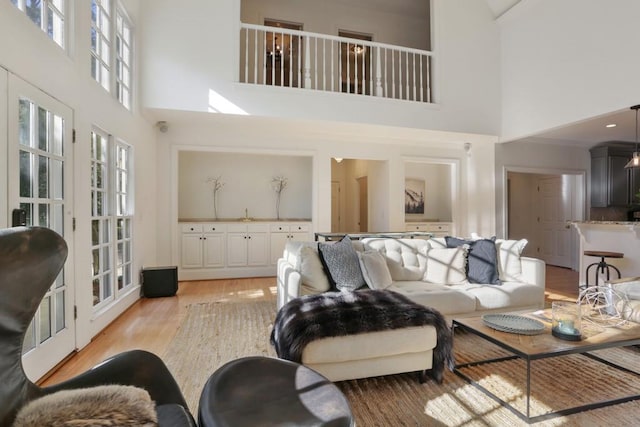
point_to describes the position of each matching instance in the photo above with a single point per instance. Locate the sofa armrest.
(533, 271)
(289, 281)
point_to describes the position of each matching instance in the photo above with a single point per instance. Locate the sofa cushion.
(405, 258)
(341, 263)
(447, 299)
(482, 260)
(314, 279)
(510, 295)
(370, 345)
(509, 264)
(374, 269)
(447, 266)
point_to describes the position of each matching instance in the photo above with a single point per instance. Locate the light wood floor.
(151, 323)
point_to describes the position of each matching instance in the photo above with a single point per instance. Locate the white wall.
(247, 185)
(566, 61)
(402, 22)
(190, 51)
(27, 52)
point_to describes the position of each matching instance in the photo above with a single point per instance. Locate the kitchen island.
(613, 236)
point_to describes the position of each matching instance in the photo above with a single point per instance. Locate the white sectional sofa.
(521, 288)
(417, 269)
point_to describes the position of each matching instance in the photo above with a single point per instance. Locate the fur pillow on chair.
(102, 406)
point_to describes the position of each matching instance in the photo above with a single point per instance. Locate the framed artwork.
(414, 196)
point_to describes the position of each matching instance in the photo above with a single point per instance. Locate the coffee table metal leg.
(528, 389)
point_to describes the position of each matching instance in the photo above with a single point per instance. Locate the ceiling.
(590, 132)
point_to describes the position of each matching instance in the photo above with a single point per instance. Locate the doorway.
(363, 205)
(538, 208)
(283, 58)
(355, 64)
(39, 183)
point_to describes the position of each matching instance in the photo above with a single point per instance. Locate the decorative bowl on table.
(513, 323)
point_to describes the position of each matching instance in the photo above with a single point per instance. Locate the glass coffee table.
(530, 348)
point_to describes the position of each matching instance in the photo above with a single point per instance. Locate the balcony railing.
(290, 58)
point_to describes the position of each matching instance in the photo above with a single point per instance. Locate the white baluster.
(307, 64)
(378, 73)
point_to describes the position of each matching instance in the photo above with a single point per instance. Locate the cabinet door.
(213, 249)
(635, 185)
(257, 249)
(191, 251)
(599, 182)
(237, 249)
(618, 181)
(278, 242)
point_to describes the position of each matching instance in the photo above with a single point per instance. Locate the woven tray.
(513, 323)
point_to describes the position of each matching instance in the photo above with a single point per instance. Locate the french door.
(40, 183)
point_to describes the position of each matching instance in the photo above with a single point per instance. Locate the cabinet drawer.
(442, 228)
(279, 228)
(257, 228)
(416, 227)
(299, 227)
(236, 228)
(214, 228)
(191, 228)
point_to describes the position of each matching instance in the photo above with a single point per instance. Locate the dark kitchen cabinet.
(611, 183)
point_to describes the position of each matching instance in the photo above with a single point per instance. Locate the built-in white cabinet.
(283, 233)
(202, 245)
(438, 229)
(247, 244)
(235, 249)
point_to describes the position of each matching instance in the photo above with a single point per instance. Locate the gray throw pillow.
(340, 261)
(482, 263)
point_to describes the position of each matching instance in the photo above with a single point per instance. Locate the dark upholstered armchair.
(30, 260)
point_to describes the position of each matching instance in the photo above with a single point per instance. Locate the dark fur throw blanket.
(331, 314)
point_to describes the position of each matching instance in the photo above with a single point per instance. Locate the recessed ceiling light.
(611, 125)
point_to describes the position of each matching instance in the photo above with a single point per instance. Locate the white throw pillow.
(374, 269)
(314, 279)
(447, 266)
(509, 264)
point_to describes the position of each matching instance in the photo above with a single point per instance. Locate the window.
(123, 60)
(100, 41)
(46, 14)
(111, 61)
(111, 217)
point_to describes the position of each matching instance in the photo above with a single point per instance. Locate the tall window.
(47, 14)
(123, 59)
(111, 61)
(101, 42)
(111, 217)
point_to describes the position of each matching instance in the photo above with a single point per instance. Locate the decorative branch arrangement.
(278, 183)
(216, 186)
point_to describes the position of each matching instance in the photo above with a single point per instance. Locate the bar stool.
(602, 266)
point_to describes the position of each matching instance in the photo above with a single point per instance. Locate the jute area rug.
(215, 333)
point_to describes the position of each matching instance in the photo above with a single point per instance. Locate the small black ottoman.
(265, 391)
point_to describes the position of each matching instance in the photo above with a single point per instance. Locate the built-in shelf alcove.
(247, 180)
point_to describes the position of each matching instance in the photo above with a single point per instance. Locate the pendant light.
(635, 160)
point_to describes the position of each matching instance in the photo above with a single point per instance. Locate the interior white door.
(39, 181)
(336, 226)
(554, 202)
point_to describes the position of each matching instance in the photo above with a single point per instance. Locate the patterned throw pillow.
(341, 263)
(482, 262)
